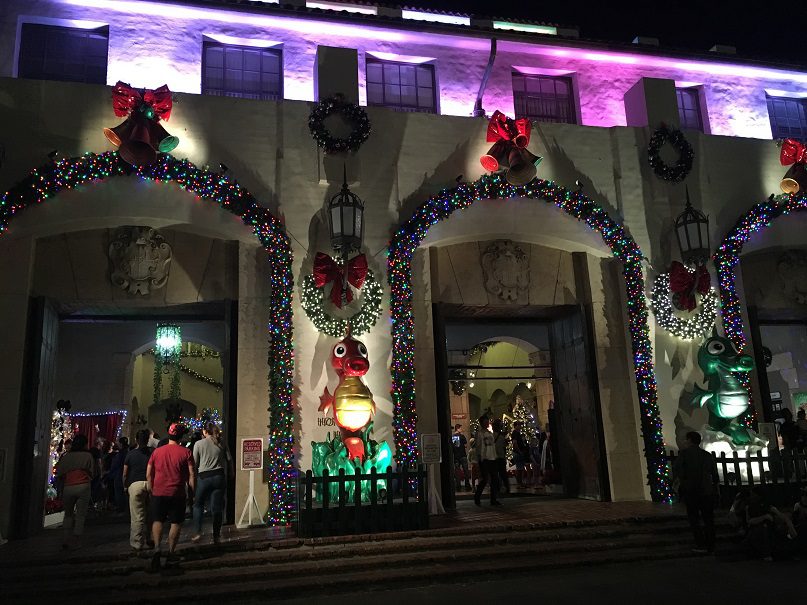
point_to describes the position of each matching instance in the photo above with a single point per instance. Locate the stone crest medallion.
(506, 270)
(141, 259)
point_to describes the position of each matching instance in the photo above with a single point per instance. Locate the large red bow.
(502, 128)
(327, 270)
(126, 99)
(684, 284)
(792, 152)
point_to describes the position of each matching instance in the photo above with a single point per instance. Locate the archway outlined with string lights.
(64, 174)
(439, 207)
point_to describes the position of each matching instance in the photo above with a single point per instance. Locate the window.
(401, 86)
(242, 71)
(544, 98)
(788, 118)
(53, 52)
(689, 108)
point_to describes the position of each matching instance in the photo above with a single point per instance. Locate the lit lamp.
(169, 340)
(346, 225)
(692, 230)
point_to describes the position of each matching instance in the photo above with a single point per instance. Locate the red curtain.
(98, 425)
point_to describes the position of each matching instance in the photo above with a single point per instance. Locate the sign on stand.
(431, 454)
(251, 460)
(252, 454)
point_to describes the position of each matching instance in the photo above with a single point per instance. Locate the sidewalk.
(107, 539)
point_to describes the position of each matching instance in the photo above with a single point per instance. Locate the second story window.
(242, 71)
(788, 118)
(69, 54)
(689, 108)
(401, 86)
(544, 98)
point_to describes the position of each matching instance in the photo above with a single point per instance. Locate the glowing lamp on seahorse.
(352, 402)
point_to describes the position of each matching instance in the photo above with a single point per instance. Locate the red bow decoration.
(126, 99)
(502, 128)
(327, 270)
(792, 152)
(684, 284)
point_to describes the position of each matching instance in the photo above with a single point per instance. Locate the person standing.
(212, 460)
(136, 486)
(116, 475)
(485, 444)
(459, 444)
(76, 470)
(521, 454)
(172, 482)
(696, 472)
(500, 440)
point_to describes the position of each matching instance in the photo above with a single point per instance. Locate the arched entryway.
(65, 174)
(438, 208)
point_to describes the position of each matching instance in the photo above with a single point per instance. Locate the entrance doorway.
(531, 365)
(103, 361)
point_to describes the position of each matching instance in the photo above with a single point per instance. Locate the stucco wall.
(141, 53)
(409, 157)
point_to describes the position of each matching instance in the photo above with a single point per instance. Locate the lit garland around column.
(438, 208)
(695, 326)
(312, 300)
(65, 174)
(726, 260)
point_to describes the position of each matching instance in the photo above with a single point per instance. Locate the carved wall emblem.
(140, 259)
(506, 270)
(792, 267)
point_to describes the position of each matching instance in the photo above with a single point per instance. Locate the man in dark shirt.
(459, 443)
(696, 473)
(134, 482)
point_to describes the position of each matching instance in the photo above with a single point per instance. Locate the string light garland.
(727, 257)
(205, 416)
(687, 328)
(673, 174)
(122, 413)
(193, 373)
(490, 187)
(312, 300)
(69, 173)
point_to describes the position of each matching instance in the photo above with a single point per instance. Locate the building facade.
(245, 77)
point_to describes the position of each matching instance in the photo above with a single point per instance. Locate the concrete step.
(303, 563)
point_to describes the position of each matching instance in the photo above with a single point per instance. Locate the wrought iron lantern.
(346, 220)
(169, 341)
(692, 230)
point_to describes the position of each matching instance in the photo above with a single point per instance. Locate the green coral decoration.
(725, 398)
(332, 455)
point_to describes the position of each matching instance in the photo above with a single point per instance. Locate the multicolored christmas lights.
(727, 257)
(53, 177)
(439, 207)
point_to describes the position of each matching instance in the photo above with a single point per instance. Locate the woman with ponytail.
(212, 459)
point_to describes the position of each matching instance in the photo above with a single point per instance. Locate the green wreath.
(696, 325)
(354, 114)
(678, 172)
(312, 300)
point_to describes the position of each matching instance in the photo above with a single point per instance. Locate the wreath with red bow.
(342, 283)
(680, 289)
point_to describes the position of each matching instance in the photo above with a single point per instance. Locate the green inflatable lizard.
(725, 398)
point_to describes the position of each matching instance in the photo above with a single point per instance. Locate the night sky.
(765, 31)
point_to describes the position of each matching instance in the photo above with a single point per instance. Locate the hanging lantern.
(346, 220)
(169, 340)
(692, 230)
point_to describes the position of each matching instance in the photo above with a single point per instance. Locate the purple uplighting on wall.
(140, 52)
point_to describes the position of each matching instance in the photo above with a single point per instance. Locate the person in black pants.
(485, 445)
(696, 473)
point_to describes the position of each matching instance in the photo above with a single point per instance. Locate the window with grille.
(689, 108)
(544, 98)
(68, 54)
(788, 118)
(401, 86)
(242, 71)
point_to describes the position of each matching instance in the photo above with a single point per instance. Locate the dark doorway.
(520, 364)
